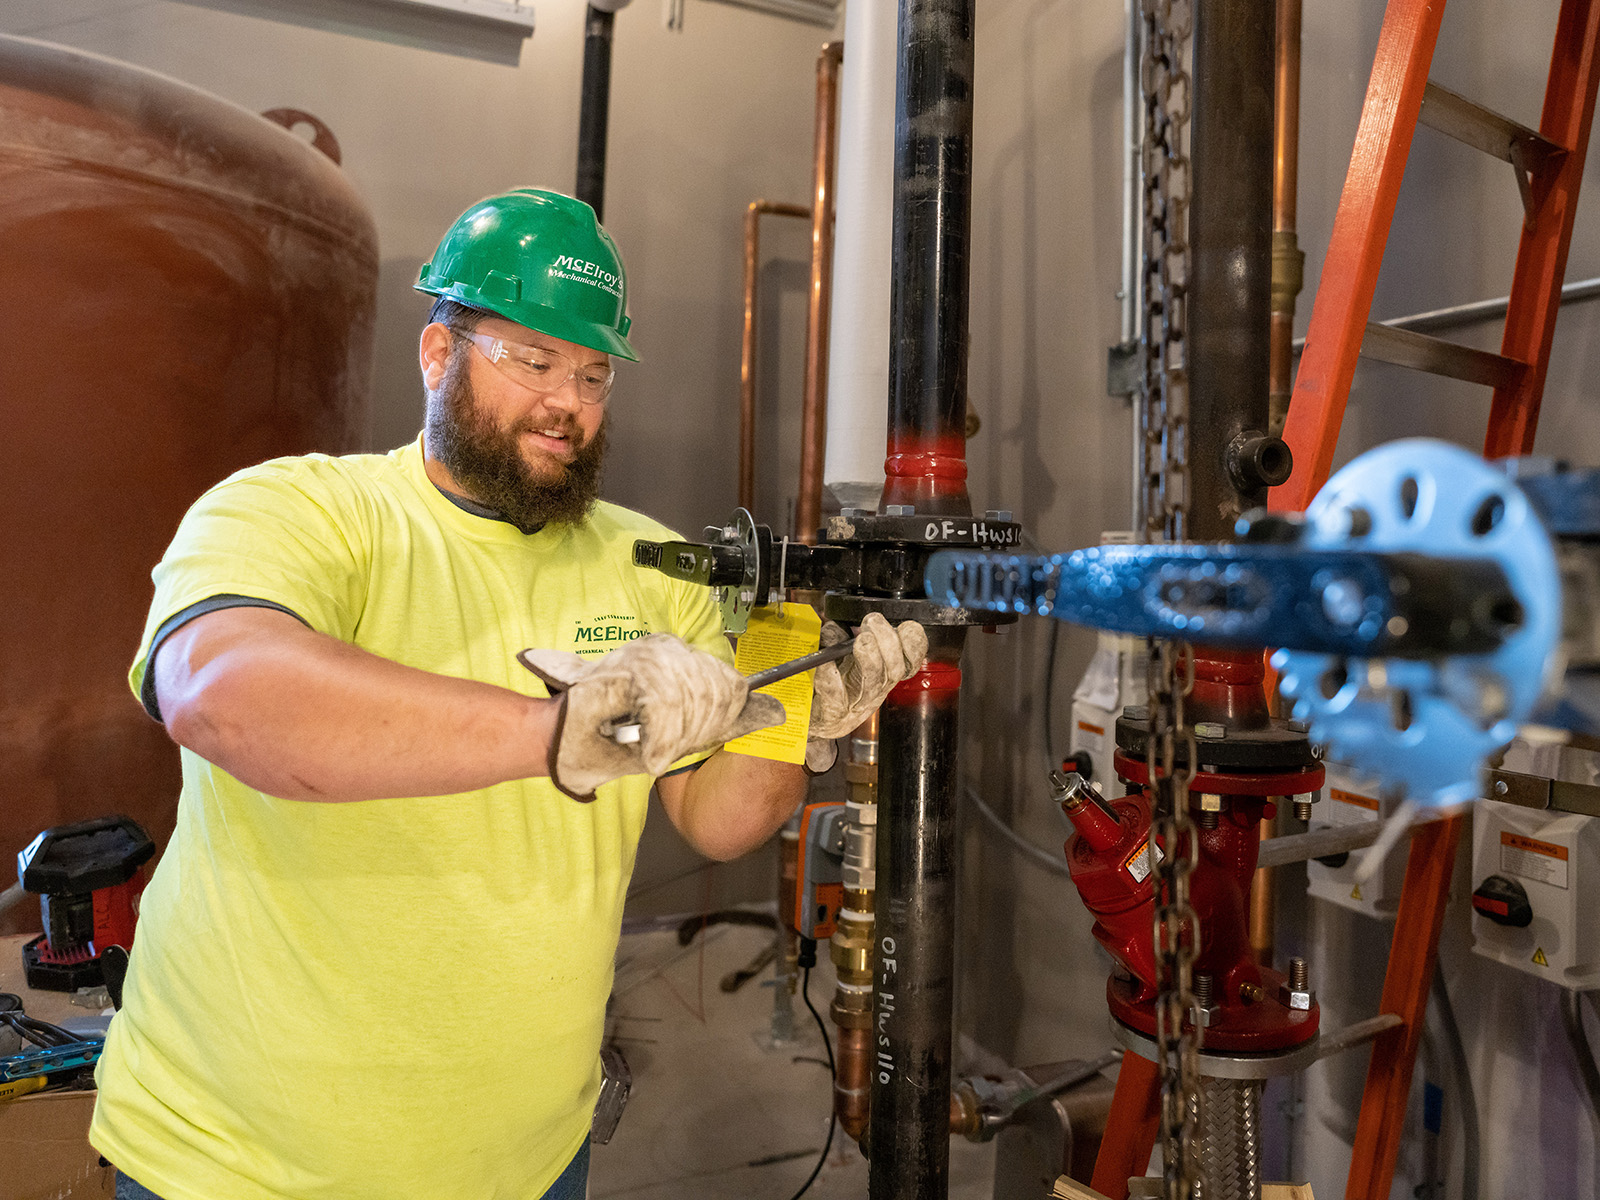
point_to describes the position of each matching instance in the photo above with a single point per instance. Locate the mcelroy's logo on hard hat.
(583, 271)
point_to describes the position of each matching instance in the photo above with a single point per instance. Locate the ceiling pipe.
(813, 412)
(1288, 260)
(858, 345)
(747, 345)
(594, 107)
(1230, 227)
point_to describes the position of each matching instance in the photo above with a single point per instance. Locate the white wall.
(702, 122)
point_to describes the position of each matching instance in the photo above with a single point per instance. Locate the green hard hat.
(540, 259)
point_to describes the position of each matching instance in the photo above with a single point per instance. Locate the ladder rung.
(1439, 357)
(1499, 137)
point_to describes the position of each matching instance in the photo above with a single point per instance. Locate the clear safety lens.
(542, 370)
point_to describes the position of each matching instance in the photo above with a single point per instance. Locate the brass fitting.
(1288, 270)
(851, 947)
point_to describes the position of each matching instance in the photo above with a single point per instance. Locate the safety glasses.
(542, 370)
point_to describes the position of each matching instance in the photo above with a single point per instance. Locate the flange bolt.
(1296, 992)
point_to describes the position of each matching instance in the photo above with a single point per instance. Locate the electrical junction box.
(1536, 891)
(1117, 677)
(1351, 799)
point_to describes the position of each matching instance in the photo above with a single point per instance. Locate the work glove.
(683, 699)
(846, 692)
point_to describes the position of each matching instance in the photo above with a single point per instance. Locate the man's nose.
(565, 398)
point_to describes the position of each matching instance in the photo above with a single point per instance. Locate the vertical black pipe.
(926, 466)
(909, 1135)
(910, 1117)
(594, 110)
(1230, 226)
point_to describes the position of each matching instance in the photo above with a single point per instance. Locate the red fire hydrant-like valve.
(1245, 1008)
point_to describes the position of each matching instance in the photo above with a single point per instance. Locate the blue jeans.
(572, 1185)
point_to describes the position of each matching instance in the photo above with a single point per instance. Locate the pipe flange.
(752, 541)
(1427, 725)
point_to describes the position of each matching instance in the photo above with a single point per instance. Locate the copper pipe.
(814, 412)
(747, 347)
(852, 1082)
(1288, 261)
(1264, 903)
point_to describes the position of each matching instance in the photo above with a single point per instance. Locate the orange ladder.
(1548, 165)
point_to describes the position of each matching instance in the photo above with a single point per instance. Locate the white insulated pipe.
(858, 340)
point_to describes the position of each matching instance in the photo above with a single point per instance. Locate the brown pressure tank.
(185, 289)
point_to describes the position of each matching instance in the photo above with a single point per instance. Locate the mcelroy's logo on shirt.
(597, 635)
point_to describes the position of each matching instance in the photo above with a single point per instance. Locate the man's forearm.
(733, 802)
(303, 716)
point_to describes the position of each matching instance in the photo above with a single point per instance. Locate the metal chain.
(1164, 398)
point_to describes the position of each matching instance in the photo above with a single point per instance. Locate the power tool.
(88, 879)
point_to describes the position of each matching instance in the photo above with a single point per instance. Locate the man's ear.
(433, 353)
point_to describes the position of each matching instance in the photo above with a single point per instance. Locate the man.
(375, 957)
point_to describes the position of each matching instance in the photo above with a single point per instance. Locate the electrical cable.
(1455, 1054)
(833, 1114)
(1588, 1070)
(1023, 846)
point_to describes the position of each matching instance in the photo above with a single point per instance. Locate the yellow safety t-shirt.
(391, 999)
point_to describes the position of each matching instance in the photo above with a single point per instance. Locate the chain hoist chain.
(1164, 396)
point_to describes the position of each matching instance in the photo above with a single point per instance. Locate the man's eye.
(537, 365)
(592, 380)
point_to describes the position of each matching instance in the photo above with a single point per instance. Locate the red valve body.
(1251, 1010)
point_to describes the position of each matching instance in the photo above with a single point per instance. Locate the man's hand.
(683, 699)
(848, 691)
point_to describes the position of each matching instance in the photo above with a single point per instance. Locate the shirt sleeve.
(283, 535)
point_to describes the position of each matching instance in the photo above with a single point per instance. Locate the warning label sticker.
(1348, 808)
(1139, 864)
(1356, 798)
(1529, 858)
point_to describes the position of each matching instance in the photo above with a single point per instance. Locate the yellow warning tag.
(1355, 892)
(1539, 960)
(778, 634)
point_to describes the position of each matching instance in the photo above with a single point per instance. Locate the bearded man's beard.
(487, 461)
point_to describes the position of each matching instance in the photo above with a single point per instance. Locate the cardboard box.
(45, 1152)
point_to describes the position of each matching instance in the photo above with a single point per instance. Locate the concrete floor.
(718, 1110)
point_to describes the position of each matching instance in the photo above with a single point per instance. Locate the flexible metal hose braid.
(1230, 1140)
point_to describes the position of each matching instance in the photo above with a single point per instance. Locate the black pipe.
(594, 109)
(1230, 294)
(909, 1134)
(930, 257)
(909, 1140)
